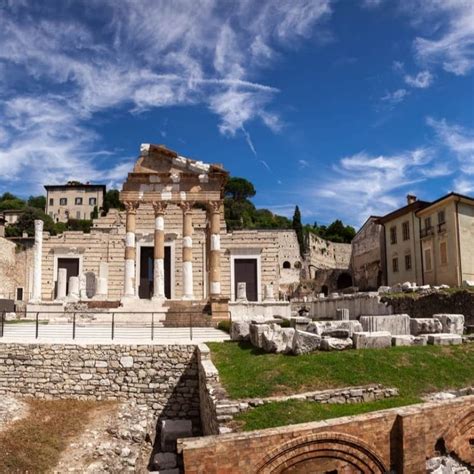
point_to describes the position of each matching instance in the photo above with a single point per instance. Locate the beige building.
(73, 200)
(402, 243)
(447, 240)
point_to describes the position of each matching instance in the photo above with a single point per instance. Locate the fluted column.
(215, 249)
(188, 285)
(38, 257)
(159, 252)
(130, 250)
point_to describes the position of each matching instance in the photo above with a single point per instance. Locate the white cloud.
(464, 186)
(395, 97)
(134, 55)
(422, 80)
(303, 164)
(371, 3)
(398, 66)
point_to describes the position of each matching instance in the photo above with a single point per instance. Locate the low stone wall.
(163, 377)
(459, 302)
(399, 439)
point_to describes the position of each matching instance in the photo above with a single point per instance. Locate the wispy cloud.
(421, 81)
(134, 55)
(395, 97)
(302, 164)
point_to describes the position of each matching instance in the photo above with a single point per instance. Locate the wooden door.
(245, 270)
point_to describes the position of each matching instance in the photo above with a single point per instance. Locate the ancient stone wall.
(15, 265)
(459, 302)
(163, 377)
(327, 255)
(399, 439)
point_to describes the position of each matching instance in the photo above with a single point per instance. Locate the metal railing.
(441, 227)
(147, 320)
(427, 231)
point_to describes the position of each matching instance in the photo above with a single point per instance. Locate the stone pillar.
(342, 314)
(62, 284)
(159, 252)
(241, 291)
(130, 250)
(215, 249)
(101, 288)
(188, 285)
(268, 296)
(73, 288)
(38, 274)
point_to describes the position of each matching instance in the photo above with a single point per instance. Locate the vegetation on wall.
(335, 232)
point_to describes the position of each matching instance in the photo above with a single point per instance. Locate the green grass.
(247, 372)
(297, 411)
(22, 321)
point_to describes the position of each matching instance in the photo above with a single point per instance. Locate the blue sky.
(342, 107)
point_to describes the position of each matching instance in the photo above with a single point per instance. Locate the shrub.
(285, 323)
(224, 325)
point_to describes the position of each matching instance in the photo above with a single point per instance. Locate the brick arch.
(317, 449)
(459, 438)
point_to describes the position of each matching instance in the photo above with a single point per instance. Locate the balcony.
(441, 227)
(426, 232)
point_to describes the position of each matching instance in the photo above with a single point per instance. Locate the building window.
(441, 217)
(406, 230)
(407, 262)
(286, 265)
(395, 265)
(92, 201)
(428, 266)
(443, 253)
(19, 294)
(393, 235)
(63, 201)
(51, 201)
(78, 202)
(78, 214)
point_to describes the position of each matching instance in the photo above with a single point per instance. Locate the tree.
(298, 228)
(37, 201)
(112, 201)
(95, 213)
(335, 232)
(26, 223)
(239, 189)
(10, 201)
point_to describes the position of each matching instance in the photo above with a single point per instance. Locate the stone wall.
(399, 439)
(324, 254)
(15, 266)
(459, 302)
(162, 377)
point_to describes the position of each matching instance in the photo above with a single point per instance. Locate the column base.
(188, 298)
(128, 298)
(158, 299)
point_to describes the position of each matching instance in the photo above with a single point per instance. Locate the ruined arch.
(323, 452)
(344, 280)
(459, 438)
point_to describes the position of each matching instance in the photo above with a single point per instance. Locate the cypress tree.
(298, 228)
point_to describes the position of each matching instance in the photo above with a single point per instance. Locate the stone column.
(268, 289)
(73, 289)
(215, 253)
(159, 252)
(188, 289)
(130, 250)
(241, 292)
(101, 289)
(62, 284)
(38, 257)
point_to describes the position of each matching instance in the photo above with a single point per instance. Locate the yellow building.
(447, 240)
(73, 200)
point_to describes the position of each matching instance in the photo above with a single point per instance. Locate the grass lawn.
(34, 443)
(247, 372)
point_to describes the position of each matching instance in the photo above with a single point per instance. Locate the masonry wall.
(326, 255)
(400, 439)
(466, 237)
(15, 269)
(163, 377)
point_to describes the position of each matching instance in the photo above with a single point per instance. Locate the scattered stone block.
(383, 289)
(451, 323)
(335, 344)
(394, 323)
(164, 461)
(372, 340)
(444, 339)
(256, 334)
(408, 340)
(299, 322)
(342, 314)
(326, 328)
(425, 326)
(240, 331)
(278, 339)
(304, 342)
(171, 430)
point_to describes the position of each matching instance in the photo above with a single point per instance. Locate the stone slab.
(335, 344)
(171, 430)
(305, 342)
(299, 322)
(408, 340)
(372, 340)
(256, 334)
(325, 328)
(240, 331)
(425, 326)
(444, 339)
(394, 323)
(165, 461)
(278, 339)
(452, 323)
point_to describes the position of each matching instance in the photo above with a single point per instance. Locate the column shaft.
(38, 264)
(215, 250)
(130, 250)
(188, 284)
(159, 252)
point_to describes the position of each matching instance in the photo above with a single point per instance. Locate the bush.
(224, 325)
(285, 323)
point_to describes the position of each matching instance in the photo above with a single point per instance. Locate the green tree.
(239, 189)
(26, 223)
(112, 201)
(10, 201)
(95, 213)
(37, 201)
(298, 228)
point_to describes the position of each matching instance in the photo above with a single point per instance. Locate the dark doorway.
(245, 270)
(147, 266)
(325, 290)
(344, 281)
(72, 269)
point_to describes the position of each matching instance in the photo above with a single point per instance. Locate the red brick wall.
(399, 439)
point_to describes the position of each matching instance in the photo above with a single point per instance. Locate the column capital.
(186, 206)
(214, 206)
(131, 206)
(159, 207)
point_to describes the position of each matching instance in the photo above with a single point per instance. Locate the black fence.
(32, 322)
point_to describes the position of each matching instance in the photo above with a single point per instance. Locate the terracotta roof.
(413, 207)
